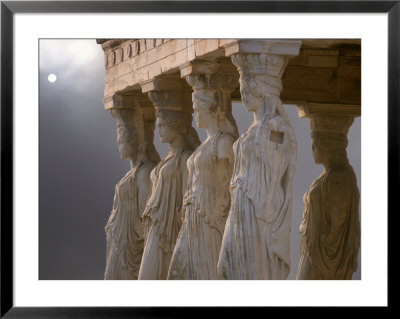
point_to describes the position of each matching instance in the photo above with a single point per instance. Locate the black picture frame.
(9, 8)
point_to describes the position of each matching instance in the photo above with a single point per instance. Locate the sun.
(52, 78)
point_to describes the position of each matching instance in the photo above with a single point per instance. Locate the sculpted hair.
(216, 104)
(330, 139)
(333, 143)
(181, 122)
(149, 119)
(141, 121)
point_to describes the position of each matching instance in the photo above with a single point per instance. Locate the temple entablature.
(318, 71)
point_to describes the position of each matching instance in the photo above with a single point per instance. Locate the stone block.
(154, 70)
(109, 76)
(206, 46)
(142, 60)
(142, 46)
(150, 44)
(270, 46)
(301, 83)
(224, 42)
(123, 82)
(142, 75)
(170, 47)
(173, 61)
(322, 61)
(122, 69)
(152, 56)
(191, 54)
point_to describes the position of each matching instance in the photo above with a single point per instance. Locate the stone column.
(212, 78)
(207, 200)
(135, 125)
(162, 216)
(131, 100)
(256, 239)
(330, 230)
(136, 110)
(169, 92)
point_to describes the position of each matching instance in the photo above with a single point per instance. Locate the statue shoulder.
(143, 174)
(186, 154)
(341, 177)
(340, 185)
(184, 158)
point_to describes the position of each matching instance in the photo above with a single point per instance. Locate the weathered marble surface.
(162, 217)
(210, 167)
(330, 229)
(124, 227)
(256, 238)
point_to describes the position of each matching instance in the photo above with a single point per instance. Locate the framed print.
(62, 115)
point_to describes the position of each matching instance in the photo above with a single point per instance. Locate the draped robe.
(330, 230)
(162, 216)
(124, 229)
(206, 206)
(256, 239)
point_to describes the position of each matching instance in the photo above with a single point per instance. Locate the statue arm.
(223, 175)
(338, 203)
(184, 171)
(185, 174)
(144, 188)
(115, 204)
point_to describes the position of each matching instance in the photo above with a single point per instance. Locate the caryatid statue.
(256, 238)
(330, 230)
(206, 201)
(162, 217)
(135, 125)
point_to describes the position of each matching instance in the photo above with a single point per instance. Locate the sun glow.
(52, 78)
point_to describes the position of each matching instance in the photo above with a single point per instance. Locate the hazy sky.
(79, 162)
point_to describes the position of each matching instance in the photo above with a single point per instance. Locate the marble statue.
(330, 230)
(162, 217)
(256, 237)
(124, 227)
(207, 200)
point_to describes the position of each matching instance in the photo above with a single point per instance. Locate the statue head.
(252, 93)
(329, 139)
(205, 104)
(213, 106)
(135, 128)
(127, 132)
(173, 123)
(260, 80)
(328, 148)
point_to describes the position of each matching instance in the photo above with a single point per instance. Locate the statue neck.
(259, 113)
(336, 161)
(212, 128)
(176, 144)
